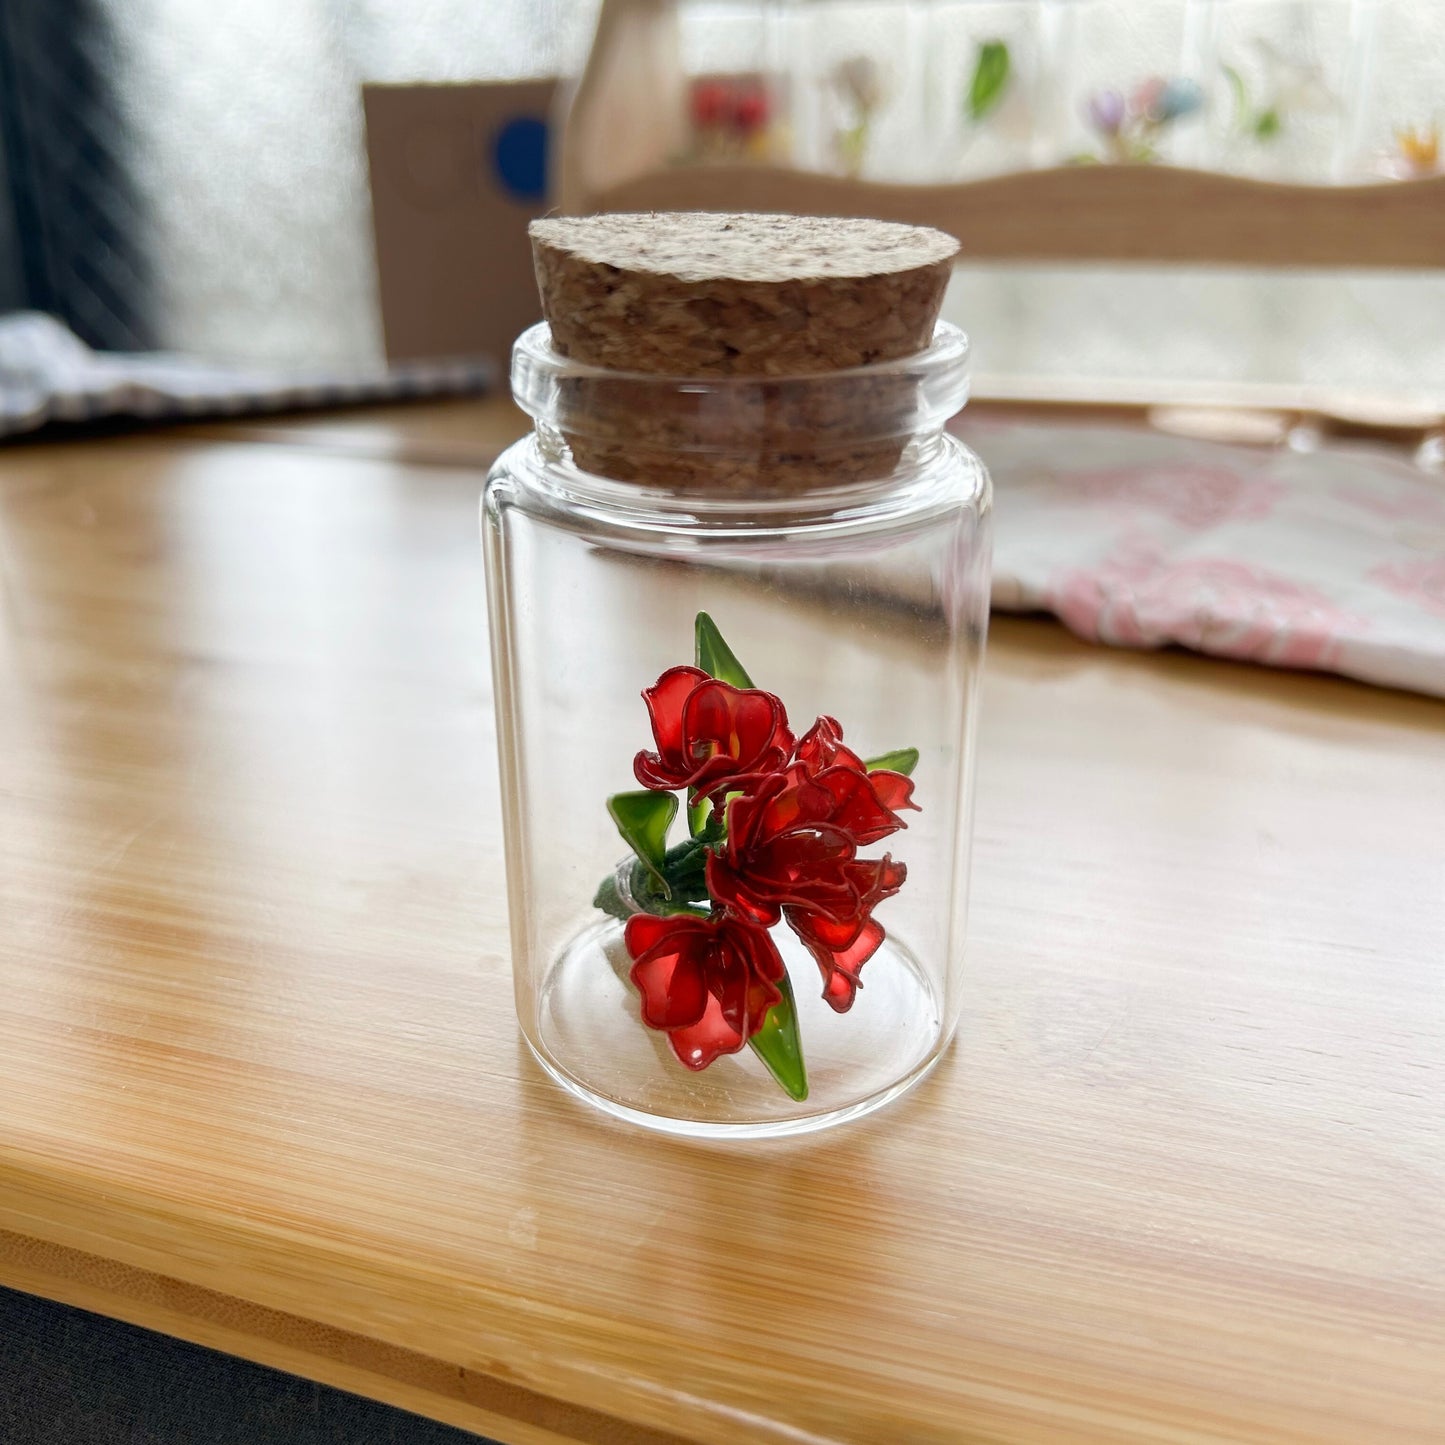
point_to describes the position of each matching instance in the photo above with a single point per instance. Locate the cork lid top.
(701, 294)
(700, 246)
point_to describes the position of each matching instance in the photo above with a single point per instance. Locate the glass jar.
(736, 660)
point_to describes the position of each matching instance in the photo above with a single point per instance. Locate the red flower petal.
(793, 843)
(673, 988)
(763, 968)
(697, 1045)
(743, 987)
(728, 729)
(711, 736)
(849, 960)
(776, 853)
(856, 807)
(652, 771)
(870, 882)
(765, 963)
(667, 971)
(882, 879)
(665, 700)
(727, 981)
(836, 935)
(839, 991)
(737, 722)
(645, 931)
(822, 747)
(894, 790)
(731, 891)
(709, 982)
(792, 803)
(839, 967)
(782, 740)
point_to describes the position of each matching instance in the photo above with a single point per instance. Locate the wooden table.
(1181, 1179)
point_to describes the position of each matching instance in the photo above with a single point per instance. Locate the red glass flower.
(707, 982)
(791, 853)
(822, 747)
(779, 844)
(841, 946)
(711, 736)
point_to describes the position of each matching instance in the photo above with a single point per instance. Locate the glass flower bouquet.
(775, 828)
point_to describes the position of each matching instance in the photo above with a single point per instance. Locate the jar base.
(593, 1042)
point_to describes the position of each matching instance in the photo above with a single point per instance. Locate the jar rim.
(907, 397)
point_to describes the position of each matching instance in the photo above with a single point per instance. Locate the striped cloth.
(47, 374)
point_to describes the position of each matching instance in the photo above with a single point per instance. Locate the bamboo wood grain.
(288, 1342)
(260, 1084)
(1091, 213)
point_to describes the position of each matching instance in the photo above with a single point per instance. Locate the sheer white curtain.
(250, 161)
(248, 151)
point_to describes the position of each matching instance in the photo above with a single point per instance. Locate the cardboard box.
(457, 171)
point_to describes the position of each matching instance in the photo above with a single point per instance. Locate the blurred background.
(192, 174)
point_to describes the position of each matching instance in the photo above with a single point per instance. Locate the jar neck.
(749, 472)
(742, 436)
(750, 490)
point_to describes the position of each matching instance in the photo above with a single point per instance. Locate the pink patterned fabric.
(1333, 560)
(1422, 581)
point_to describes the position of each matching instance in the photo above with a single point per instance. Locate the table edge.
(345, 1360)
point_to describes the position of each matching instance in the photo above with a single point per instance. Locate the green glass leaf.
(697, 816)
(715, 657)
(1267, 124)
(643, 819)
(648, 895)
(900, 760)
(779, 1046)
(990, 79)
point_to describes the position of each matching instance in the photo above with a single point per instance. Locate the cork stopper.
(700, 295)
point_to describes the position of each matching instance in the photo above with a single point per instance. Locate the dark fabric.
(72, 1378)
(14, 294)
(69, 220)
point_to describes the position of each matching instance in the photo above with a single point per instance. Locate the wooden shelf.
(1092, 213)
